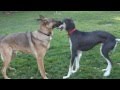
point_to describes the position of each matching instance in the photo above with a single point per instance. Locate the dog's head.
(49, 23)
(67, 24)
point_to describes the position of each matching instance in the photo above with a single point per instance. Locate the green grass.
(58, 56)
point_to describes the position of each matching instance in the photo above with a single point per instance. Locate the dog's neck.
(45, 31)
(70, 32)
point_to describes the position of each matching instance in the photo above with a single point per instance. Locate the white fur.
(63, 26)
(109, 66)
(70, 68)
(115, 47)
(2, 57)
(118, 40)
(69, 73)
(77, 60)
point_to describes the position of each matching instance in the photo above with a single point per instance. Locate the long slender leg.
(41, 68)
(77, 61)
(13, 55)
(72, 62)
(105, 49)
(40, 53)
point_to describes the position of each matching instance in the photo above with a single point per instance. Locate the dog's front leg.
(69, 73)
(72, 61)
(77, 61)
(41, 68)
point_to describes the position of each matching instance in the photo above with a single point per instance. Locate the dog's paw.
(46, 78)
(32, 78)
(7, 78)
(65, 77)
(107, 73)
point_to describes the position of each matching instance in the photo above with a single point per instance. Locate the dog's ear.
(41, 17)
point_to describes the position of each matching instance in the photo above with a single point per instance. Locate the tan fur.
(35, 43)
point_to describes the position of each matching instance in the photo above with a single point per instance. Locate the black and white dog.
(84, 41)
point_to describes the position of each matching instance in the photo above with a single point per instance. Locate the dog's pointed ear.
(41, 17)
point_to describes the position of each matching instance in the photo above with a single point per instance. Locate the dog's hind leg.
(105, 49)
(117, 41)
(7, 54)
(13, 55)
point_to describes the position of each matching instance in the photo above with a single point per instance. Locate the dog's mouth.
(57, 24)
(61, 26)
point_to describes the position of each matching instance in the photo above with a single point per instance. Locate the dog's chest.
(49, 43)
(50, 37)
(70, 42)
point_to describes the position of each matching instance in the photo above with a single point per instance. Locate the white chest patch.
(50, 38)
(70, 45)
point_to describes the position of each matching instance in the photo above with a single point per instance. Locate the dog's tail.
(117, 41)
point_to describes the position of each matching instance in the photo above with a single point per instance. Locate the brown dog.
(36, 43)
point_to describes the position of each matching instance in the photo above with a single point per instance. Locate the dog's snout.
(59, 23)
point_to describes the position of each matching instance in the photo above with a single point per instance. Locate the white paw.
(7, 78)
(107, 73)
(65, 77)
(45, 77)
(31, 77)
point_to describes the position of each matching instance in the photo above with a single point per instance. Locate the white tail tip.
(118, 40)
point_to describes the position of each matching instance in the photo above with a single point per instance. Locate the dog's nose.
(59, 23)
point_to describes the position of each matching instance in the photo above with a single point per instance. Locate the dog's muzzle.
(62, 26)
(59, 25)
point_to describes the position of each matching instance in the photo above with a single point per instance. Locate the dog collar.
(71, 31)
(44, 33)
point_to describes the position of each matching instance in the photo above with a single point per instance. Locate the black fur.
(85, 41)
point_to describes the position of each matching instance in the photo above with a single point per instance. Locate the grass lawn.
(58, 56)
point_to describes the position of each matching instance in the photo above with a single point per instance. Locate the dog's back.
(1, 37)
(103, 34)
